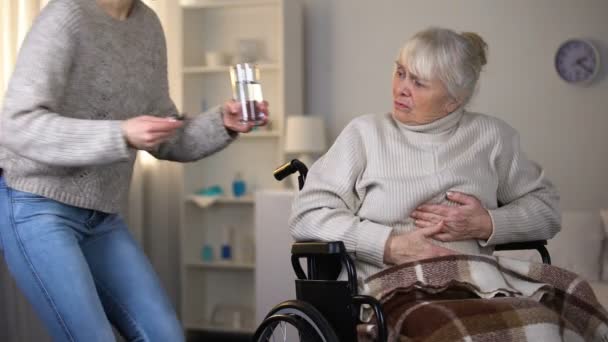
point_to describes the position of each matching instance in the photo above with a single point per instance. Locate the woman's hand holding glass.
(232, 116)
(146, 132)
(414, 245)
(468, 220)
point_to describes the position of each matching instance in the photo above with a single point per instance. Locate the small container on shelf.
(227, 244)
(226, 252)
(249, 50)
(239, 188)
(216, 58)
(207, 253)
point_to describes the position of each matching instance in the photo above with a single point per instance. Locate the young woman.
(89, 90)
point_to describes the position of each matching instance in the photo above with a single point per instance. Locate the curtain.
(16, 17)
(18, 322)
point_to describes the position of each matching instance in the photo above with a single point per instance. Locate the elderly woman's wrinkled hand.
(468, 220)
(414, 245)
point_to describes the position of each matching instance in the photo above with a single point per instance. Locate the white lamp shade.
(305, 134)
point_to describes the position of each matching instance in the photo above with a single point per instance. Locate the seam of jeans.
(96, 237)
(39, 282)
(122, 308)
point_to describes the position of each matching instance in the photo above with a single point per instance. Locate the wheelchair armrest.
(317, 248)
(324, 260)
(539, 245)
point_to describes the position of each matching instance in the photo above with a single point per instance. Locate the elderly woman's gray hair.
(455, 59)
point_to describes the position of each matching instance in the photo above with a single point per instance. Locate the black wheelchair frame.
(327, 309)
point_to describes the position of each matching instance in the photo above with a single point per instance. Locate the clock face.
(577, 61)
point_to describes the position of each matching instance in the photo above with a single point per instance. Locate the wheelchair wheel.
(295, 320)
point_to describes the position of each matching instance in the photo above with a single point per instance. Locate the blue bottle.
(226, 252)
(239, 188)
(226, 247)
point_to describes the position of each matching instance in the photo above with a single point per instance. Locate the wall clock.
(577, 61)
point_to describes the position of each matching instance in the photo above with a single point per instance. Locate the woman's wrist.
(125, 135)
(232, 133)
(486, 226)
(387, 251)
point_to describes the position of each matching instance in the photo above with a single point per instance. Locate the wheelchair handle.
(290, 168)
(380, 322)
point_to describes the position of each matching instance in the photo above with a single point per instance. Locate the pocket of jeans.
(27, 206)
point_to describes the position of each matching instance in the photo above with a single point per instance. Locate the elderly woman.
(429, 179)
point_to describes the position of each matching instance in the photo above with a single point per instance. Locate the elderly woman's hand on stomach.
(414, 245)
(468, 220)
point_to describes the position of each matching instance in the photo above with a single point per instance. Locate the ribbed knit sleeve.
(201, 135)
(326, 207)
(530, 209)
(32, 125)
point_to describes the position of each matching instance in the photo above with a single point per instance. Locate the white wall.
(351, 45)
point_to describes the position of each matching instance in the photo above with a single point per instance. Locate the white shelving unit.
(201, 26)
(224, 69)
(223, 265)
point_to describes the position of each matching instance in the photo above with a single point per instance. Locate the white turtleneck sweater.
(379, 170)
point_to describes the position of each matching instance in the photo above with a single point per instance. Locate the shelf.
(222, 265)
(207, 284)
(225, 3)
(218, 329)
(223, 68)
(206, 201)
(260, 134)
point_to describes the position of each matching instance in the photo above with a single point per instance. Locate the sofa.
(581, 247)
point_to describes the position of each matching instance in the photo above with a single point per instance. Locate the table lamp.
(305, 138)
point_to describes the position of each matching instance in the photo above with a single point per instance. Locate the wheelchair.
(327, 309)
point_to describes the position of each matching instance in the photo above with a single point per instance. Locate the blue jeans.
(82, 271)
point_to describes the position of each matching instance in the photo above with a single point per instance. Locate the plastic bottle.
(239, 188)
(227, 243)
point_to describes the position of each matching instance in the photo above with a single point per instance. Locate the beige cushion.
(578, 246)
(601, 292)
(526, 255)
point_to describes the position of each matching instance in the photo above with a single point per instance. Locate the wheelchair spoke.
(284, 331)
(295, 321)
(280, 330)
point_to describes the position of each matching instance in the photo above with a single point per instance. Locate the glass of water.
(247, 90)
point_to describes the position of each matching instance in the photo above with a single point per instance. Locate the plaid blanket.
(486, 298)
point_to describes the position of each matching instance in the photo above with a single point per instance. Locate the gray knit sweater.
(379, 170)
(79, 74)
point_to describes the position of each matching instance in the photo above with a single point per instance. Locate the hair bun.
(479, 44)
